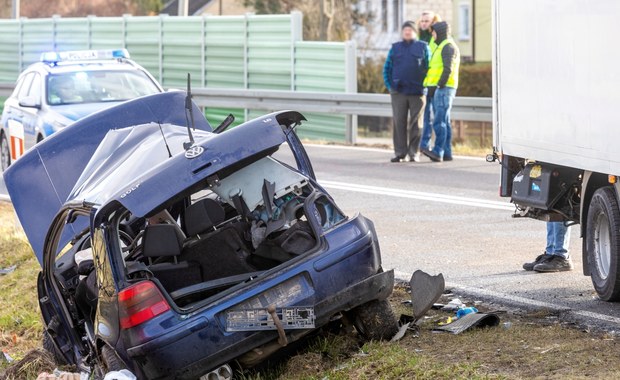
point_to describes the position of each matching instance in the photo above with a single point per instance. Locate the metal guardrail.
(464, 108)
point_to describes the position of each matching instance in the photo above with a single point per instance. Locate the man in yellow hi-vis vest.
(427, 19)
(442, 81)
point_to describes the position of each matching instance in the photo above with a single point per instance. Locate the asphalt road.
(447, 218)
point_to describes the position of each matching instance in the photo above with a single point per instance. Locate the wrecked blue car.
(184, 253)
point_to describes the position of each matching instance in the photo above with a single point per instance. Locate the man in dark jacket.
(442, 81)
(403, 73)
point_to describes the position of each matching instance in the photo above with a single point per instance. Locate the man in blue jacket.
(403, 73)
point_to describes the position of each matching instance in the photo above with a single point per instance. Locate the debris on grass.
(469, 321)
(8, 270)
(425, 291)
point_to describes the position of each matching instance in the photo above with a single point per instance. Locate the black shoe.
(540, 259)
(430, 154)
(397, 159)
(554, 264)
(447, 158)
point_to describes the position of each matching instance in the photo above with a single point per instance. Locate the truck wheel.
(375, 320)
(50, 347)
(603, 242)
(5, 153)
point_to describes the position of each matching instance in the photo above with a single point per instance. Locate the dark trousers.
(407, 111)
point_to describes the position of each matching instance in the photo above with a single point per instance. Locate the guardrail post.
(351, 87)
(296, 35)
(90, 31)
(161, 48)
(21, 44)
(246, 74)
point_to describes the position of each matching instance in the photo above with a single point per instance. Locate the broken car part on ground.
(173, 259)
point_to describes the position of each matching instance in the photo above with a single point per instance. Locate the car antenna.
(189, 109)
(165, 141)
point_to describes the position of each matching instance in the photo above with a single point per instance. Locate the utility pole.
(15, 9)
(183, 7)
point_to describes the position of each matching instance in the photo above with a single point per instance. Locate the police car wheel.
(5, 153)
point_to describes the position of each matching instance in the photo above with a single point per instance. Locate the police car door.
(31, 105)
(14, 122)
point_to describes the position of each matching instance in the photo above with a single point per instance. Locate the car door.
(30, 106)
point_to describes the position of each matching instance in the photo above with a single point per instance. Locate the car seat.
(162, 242)
(221, 252)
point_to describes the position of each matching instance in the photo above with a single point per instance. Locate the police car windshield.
(98, 86)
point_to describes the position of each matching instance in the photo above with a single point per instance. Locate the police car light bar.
(82, 55)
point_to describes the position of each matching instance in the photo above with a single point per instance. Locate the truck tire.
(375, 320)
(603, 243)
(50, 347)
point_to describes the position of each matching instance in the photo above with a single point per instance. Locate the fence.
(238, 52)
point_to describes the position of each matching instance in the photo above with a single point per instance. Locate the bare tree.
(324, 20)
(77, 8)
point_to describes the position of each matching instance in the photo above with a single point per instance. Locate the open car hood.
(40, 182)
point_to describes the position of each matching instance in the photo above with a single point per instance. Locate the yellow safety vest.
(435, 67)
(432, 44)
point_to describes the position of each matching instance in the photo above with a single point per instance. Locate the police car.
(64, 87)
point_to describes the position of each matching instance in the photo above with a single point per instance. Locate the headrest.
(162, 240)
(202, 216)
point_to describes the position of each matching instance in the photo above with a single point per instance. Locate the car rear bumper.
(347, 274)
(378, 286)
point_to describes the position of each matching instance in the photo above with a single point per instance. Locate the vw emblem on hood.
(194, 151)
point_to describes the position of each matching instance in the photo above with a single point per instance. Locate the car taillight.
(139, 303)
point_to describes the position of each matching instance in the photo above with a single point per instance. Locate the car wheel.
(49, 346)
(603, 242)
(110, 360)
(5, 153)
(375, 320)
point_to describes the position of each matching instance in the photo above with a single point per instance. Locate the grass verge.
(20, 320)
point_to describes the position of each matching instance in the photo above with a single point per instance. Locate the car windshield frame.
(95, 86)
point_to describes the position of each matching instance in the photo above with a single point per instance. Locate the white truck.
(556, 133)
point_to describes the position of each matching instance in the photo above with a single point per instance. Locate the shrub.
(475, 80)
(370, 75)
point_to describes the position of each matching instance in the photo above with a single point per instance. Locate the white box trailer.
(556, 132)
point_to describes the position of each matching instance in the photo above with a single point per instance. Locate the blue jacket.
(406, 66)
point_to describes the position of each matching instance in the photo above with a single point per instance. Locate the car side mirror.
(30, 102)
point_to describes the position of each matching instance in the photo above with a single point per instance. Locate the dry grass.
(30, 366)
(536, 345)
(20, 321)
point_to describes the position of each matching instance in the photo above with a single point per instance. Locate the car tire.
(603, 243)
(5, 152)
(110, 360)
(375, 320)
(49, 346)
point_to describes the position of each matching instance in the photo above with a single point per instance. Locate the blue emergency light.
(54, 58)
